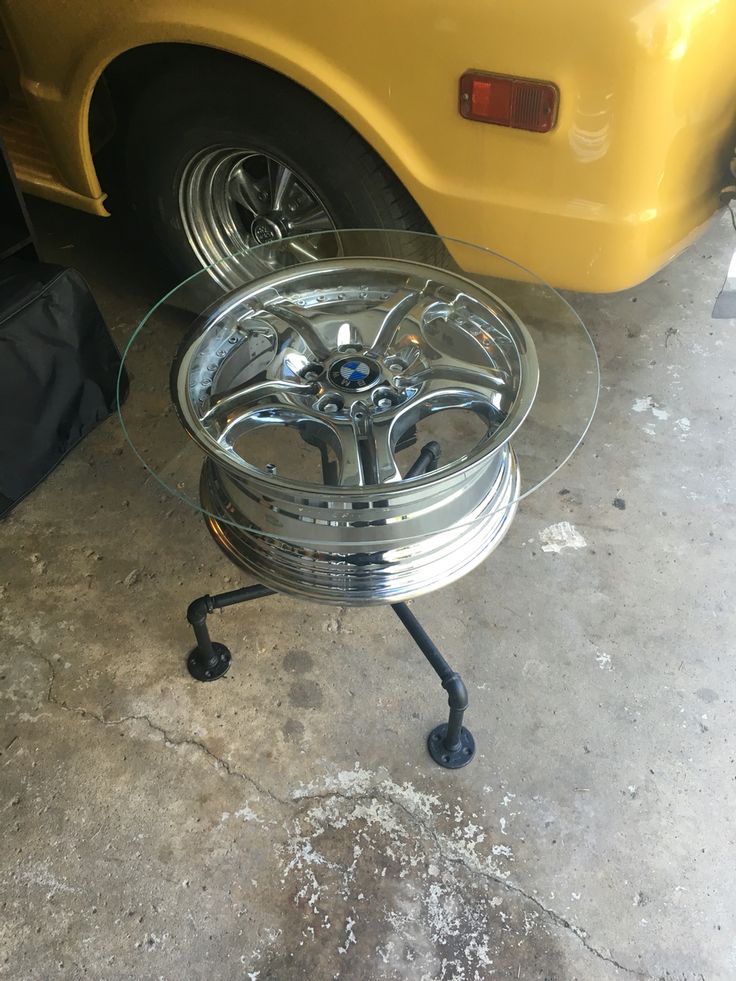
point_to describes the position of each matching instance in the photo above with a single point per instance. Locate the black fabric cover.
(58, 371)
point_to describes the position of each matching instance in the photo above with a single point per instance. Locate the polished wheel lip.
(244, 471)
(349, 568)
(225, 211)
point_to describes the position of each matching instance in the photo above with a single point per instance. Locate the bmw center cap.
(353, 373)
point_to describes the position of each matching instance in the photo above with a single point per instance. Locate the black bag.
(58, 372)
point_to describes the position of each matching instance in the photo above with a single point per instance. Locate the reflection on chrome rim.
(234, 199)
(356, 360)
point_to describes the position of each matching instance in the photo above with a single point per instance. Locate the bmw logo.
(353, 373)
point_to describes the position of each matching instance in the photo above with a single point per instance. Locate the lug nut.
(384, 403)
(330, 407)
(396, 366)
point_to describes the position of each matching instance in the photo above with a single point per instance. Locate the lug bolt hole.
(311, 372)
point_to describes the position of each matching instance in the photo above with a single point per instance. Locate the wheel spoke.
(365, 451)
(305, 250)
(395, 310)
(460, 397)
(350, 471)
(485, 383)
(299, 323)
(466, 335)
(242, 188)
(384, 466)
(312, 219)
(281, 182)
(267, 413)
(236, 401)
(489, 393)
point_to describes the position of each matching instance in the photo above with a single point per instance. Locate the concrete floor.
(286, 822)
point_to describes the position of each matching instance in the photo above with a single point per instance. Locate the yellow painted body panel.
(626, 178)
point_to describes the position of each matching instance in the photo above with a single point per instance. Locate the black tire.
(232, 103)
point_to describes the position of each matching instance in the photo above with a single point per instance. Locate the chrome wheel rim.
(234, 199)
(354, 356)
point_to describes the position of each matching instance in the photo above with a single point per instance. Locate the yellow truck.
(586, 139)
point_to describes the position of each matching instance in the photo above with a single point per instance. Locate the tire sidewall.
(320, 150)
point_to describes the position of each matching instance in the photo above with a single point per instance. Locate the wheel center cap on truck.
(264, 230)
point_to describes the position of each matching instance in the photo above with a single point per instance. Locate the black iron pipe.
(240, 596)
(457, 693)
(427, 460)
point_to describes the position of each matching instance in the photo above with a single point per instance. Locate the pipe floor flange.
(451, 760)
(198, 668)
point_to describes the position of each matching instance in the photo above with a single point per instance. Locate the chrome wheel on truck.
(233, 199)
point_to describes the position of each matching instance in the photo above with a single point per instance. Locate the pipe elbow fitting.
(457, 693)
(198, 609)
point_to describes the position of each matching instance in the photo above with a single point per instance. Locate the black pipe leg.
(210, 660)
(450, 744)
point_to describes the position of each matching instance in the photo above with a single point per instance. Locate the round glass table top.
(355, 363)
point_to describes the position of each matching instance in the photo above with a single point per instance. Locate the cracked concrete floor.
(286, 822)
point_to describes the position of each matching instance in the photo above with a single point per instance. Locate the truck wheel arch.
(125, 77)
